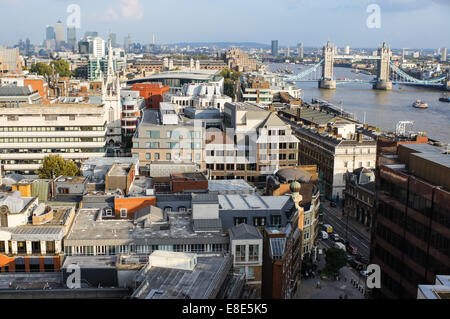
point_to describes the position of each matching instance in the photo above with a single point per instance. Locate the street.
(357, 238)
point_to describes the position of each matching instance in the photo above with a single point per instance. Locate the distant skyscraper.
(127, 43)
(444, 55)
(347, 49)
(113, 38)
(59, 32)
(50, 33)
(90, 34)
(274, 47)
(300, 50)
(96, 47)
(288, 53)
(72, 36)
(153, 39)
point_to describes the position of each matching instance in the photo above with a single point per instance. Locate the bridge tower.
(383, 69)
(327, 81)
(447, 82)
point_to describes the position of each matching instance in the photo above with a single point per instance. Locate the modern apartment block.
(164, 135)
(28, 133)
(132, 107)
(239, 60)
(411, 234)
(257, 90)
(333, 144)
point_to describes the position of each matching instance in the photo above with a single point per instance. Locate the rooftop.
(228, 186)
(87, 229)
(201, 283)
(252, 202)
(244, 231)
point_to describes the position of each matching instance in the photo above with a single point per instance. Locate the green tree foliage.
(230, 79)
(61, 67)
(54, 166)
(335, 259)
(41, 69)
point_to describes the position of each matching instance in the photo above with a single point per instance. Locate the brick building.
(411, 233)
(152, 93)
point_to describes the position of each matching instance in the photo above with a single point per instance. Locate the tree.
(42, 69)
(61, 67)
(335, 259)
(54, 166)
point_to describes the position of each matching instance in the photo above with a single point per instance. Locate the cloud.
(125, 10)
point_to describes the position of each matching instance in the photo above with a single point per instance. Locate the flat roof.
(187, 75)
(98, 262)
(252, 202)
(201, 283)
(86, 230)
(229, 185)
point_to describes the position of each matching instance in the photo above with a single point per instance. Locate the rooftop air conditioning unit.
(150, 192)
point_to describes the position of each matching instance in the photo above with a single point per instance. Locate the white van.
(324, 234)
(340, 246)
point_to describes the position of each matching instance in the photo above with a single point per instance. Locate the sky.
(402, 23)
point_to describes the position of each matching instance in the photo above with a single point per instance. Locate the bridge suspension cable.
(400, 76)
(304, 74)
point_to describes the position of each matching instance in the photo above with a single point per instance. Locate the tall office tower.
(347, 49)
(113, 38)
(96, 47)
(300, 50)
(50, 33)
(153, 39)
(444, 55)
(93, 34)
(127, 43)
(72, 37)
(288, 53)
(274, 47)
(59, 32)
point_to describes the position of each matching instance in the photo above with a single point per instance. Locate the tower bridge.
(387, 72)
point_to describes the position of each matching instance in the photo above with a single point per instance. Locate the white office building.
(30, 132)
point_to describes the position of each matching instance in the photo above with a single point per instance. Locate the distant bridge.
(387, 72)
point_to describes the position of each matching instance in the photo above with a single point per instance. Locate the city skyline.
(399, 26)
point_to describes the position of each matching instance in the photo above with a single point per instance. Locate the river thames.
(383, 109)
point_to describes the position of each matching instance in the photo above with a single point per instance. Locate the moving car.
(328, 228)
(333, 204)
(335, 237)
(339, 246)
(323, 234)
(356, 264)
(364, 273)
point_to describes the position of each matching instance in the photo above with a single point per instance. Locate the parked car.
(351, 249)
(333, 204)
(356, 264)
(323, 234)
(335, 237)
(364, 273)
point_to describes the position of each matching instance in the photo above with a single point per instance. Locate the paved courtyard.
(332, 289)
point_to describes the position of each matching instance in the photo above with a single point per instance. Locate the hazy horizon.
(404, 23)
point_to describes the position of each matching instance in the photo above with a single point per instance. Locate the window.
(259, 221)
(153, 134)
(168, 156)
(253, 252)
(123, 213)
(153, 145)
(275, 220)
(240, 253)
(240, 220)
(148, 156)
(250, 273)
(156, 156)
